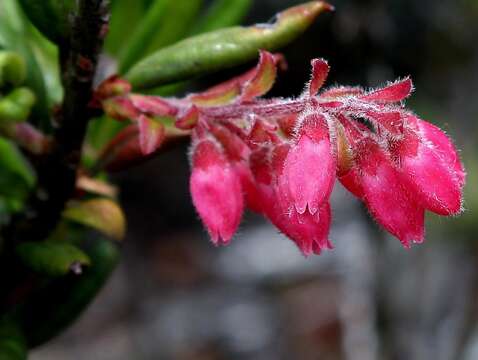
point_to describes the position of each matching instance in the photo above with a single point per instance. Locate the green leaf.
(104, 215)
(58, 303)
(165, 22)
(52, 258)
(16, 175)
(11, 12)
(12, 342)
(101, 130)
(11, 160)
(50, 17)
(179, 17)
(47, 56)
(223, 48)
(123, 12)
(222, 13)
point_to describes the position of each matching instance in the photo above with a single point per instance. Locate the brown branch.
(57, 170)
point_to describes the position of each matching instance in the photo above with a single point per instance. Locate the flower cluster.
(281, 157)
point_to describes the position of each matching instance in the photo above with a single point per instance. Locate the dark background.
(176, 296)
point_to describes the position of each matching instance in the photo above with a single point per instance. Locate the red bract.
(280, 157)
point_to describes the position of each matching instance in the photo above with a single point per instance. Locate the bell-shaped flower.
(216, 190)
(309, 232)
(238, 154)
(444, 147)
(434, 172)
(309, 169)
(390, 201)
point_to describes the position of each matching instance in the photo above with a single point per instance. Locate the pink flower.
(311, 157)
(216, 191)
(386, 196)
(431, 166)
(308, 231)
(280, 157)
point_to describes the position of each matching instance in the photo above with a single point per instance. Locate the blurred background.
(175, 296)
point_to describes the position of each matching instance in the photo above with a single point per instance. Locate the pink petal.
(216, 192)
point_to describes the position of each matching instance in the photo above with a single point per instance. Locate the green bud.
(12, 69)
(16, 106)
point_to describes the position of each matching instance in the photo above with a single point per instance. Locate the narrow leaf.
(12, 341)
(175, 17)
(11, 160)
(52, 258)
(51, 17)
(104, 215)
(58, 303)
(223, 48)
(177, 22)
(96, 186)
(221, 14)
(123, 12)
(143, 34)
